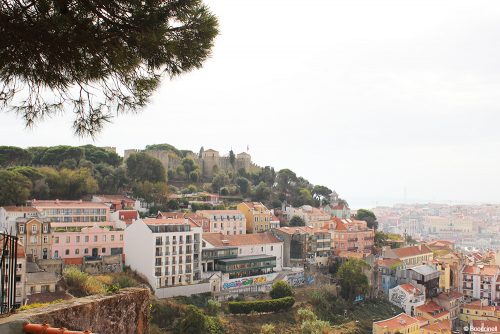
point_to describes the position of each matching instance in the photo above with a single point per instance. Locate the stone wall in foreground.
(125, 312)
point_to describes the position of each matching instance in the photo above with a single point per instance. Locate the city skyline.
(367, 99)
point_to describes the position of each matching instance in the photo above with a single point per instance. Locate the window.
(95, 238)
(45, 239)
(86, 251)
(272, 248)
(56, 240)
(21, 228)
(56, 254)
(68, 240)
(86, 238)
(77, 238)
(104, 238)
(77, 251)
(66, 252)
(112, 237)
(34, 228)
(121, 237)
(45, 228)
(103, 250)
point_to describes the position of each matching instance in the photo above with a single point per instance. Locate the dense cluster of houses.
(440, 289)
(245, 250)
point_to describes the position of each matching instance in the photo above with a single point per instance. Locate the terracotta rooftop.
(438, 326)
(411, 251)
(252, 205)
(490, 324)
(219, 212)
(20, 209)
(220, 240)
(476, 305)
(483, 270)
(450, 295)
(432, 309)
(388, 262)
(399, 321)
(410, 288)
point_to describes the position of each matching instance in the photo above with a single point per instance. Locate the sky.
(383, 101)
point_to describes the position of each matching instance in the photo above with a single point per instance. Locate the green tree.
(261, 193)
(96, 58)
(302, 197)
(243, 184)
(321, 194)
(232, 158)
(151, 192)
(353, 281)
(141, 167)
(15, 188)
(194, 176)
(369, 217)
(297, 221)
(11, 156)
(285, 180)
(189, 165)
(381, 239)
(280, 289)
(193, 322)
(220, 180)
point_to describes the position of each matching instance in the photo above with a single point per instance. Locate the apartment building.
(226, 222)
(411, 255)
(451, 302)
(402, 323)
(478, 310)
(258, 217)
(349, 235)
(433, 313)
(264, 245)
(74, 241)
(304, 245)
(481, 282)
(166, 251)
(9, 215)
(310, 215)
(408, 297)
(339, 210)
(35, 235)
(60, 211)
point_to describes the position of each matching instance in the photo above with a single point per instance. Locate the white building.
(407, 297)
(9, 214)
(225, 221)
(248, 245)
(166, 251)
(311, 216)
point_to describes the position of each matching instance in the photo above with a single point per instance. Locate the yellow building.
(34, 235)
(433, 312)
(439, 327)
(401, 323)
(258, 217)
(478, 311)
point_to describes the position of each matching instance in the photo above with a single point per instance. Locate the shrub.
(281, 289)
(269, 305)
(94, 287)
(305, 314)
(315, 327)
(213, 307)
(36, 305)
(214, 325)
(267, 329)
(124, 281)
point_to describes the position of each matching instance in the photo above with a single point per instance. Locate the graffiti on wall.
(248, 281)
(296, 279)
(398, 298)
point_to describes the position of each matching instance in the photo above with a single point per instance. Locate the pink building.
(60, 211)
(73, 241)
(351, 235)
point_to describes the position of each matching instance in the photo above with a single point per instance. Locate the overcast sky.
(379, 100)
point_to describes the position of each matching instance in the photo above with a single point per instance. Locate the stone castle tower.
(210, 162)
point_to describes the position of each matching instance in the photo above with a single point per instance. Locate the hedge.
(260, 306)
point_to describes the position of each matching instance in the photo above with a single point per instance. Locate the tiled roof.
(170, 215)
(490, 324)
(410, 288)
(450, 295)
(438, 326)
(476, 305)
(388, 262)
(219, 212)
(252, 205)
(483, 270)
(399, 321)
(128, 214)
(411, 251)
(220, 240)
(433, 309)
(20, 209)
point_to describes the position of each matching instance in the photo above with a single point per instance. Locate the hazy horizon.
(383, 101)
